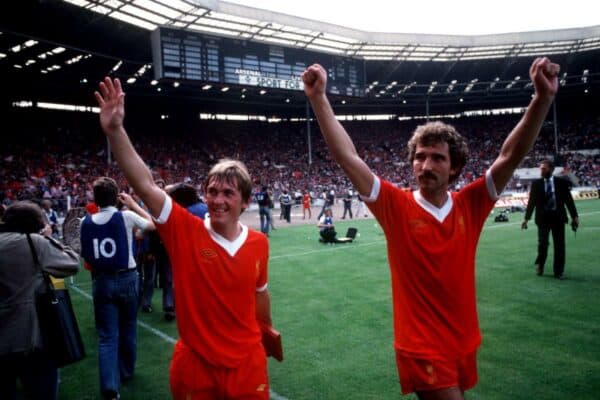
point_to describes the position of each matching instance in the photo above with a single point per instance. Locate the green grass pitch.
(332, 304)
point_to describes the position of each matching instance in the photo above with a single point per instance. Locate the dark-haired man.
(285, 199)
(549, 196)
(106, 245)
(432, 235)
(347, 203)
(264, 201)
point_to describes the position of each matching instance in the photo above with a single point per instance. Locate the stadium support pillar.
(308, 133)
(108, 155)
(555, 129)
(427, 108)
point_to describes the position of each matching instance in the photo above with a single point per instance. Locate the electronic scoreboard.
(186, 55)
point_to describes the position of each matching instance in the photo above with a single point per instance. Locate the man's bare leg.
(452, 393)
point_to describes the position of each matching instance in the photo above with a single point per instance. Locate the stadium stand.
(65, 162)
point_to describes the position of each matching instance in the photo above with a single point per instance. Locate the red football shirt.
(215, 285)
(432, 266)
(306, 200)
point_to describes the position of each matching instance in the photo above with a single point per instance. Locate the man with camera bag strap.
(23, 354)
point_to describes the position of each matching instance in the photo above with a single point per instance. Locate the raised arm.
(543, 74)
(111, 100)
(337, 139)
(136, 208)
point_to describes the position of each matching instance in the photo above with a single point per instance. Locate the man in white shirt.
(106, 245)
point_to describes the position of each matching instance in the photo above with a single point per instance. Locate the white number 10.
(102, 248)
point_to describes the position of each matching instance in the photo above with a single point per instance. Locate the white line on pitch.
(164, 336)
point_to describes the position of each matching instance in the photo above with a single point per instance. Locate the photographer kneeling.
(326, 227)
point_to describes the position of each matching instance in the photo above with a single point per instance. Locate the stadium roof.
(53, 51)
(248, 23)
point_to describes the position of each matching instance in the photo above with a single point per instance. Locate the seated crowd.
(61, 164)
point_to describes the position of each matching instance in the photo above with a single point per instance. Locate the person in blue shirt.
(186, 196)
(264, 200)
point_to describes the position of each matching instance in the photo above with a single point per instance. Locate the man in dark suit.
(549, 196)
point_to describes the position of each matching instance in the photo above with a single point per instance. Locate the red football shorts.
(192, 378)
(418, 374)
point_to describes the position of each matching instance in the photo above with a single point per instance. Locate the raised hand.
(544, 75)
(126, 199)
(315, 80)
(111, 100)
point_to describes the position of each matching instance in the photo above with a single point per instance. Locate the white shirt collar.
(438, 213)
(230, 247)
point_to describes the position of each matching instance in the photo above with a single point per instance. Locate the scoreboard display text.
(184, 55)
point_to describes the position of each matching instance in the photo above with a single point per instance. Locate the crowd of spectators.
(58, 161)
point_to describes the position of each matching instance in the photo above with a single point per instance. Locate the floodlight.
(117, 66)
